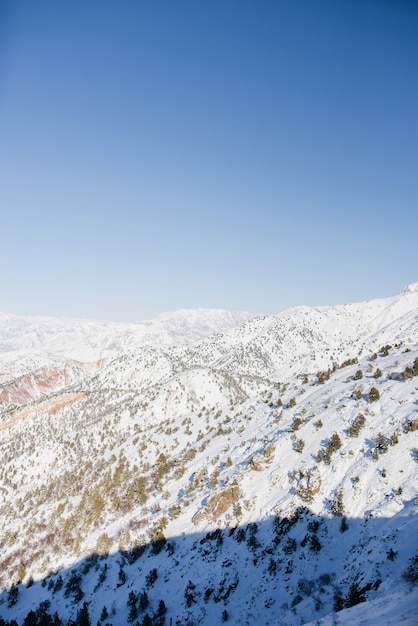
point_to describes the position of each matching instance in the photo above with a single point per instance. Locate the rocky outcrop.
(218, 504)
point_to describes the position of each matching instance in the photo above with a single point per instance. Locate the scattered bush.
(391, 554)
(407, 373)
(385, 350)
(374, 395)
(189, 594)
(323, 376)
(348, 362)
(356, 426)
(357, 393)
(381, 445)
(290, 546)
(393, 439)
(411, 572)
(151, 577)
(298, 445)
(314, 544)
(333, 444)
(337, 506)
(12, 596)
(411, 426)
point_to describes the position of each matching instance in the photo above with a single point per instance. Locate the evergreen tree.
(30, 619)
(133, 611)
(161, 613)
(338, 505)
(143, 601)
(381, 443)
(122, 577)
(355, 595)
(374, 395)
(83, 618)
(411, 572)
(104, 614)
(12, 596)
(147, 620)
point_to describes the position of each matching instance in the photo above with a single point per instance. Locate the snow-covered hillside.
(88, 340)
(266, 473)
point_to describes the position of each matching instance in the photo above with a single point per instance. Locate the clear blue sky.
(167, 154)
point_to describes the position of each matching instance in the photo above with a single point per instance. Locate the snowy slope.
(88, 340)
(251, 476)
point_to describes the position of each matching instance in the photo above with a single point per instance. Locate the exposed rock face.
(48, 407)
(259, 462)
(41, 383)
(201, 474)
(218, 504)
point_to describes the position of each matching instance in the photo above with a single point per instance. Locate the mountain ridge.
(267, 472)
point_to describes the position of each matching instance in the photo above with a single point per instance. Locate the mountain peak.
(411, 288)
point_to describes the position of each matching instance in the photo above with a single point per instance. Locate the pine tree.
(12, 596)
(161, 613)
(30, 619)
(83, 618)
(147, 620)
(104, 614)
(381, 443)
(143, 601)
(337, 506)
(133, 611)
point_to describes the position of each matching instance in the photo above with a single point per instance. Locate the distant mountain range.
(210, 466)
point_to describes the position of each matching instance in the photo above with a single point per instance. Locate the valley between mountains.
(211, 467)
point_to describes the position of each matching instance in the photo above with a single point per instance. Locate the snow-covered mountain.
(209, 466)
(88, 340)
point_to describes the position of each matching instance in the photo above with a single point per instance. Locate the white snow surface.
(90, 340)
(206, 406)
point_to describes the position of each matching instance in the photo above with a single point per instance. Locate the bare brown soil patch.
(49, 406)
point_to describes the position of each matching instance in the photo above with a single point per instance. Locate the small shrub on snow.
(12, 596)
(299, 445)
(381, 445)
(411, 572)
(384, 350)
(356, 426)
(333, 444)
(290, 545)
(374, 395)
(337, 506)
